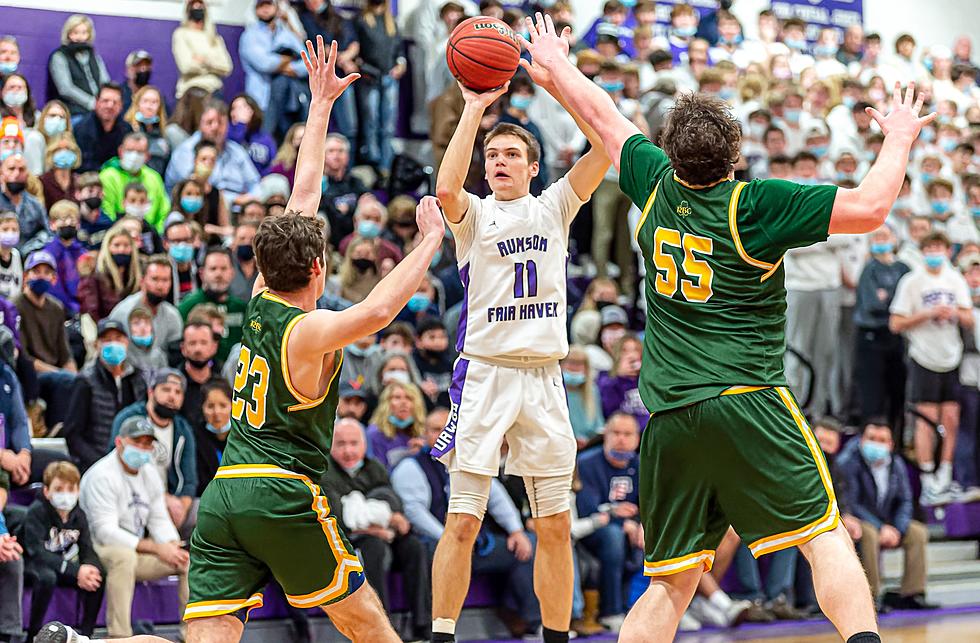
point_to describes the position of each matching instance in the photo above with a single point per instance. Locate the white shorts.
(527, 406)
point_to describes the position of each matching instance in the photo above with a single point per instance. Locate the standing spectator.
(30, 212)
(584, 401)
(11, 267)
(100, 133)
(341, 189)
(967, 456)
(186, 116)
(117, 274)
(58, 549)
(397, 424)
(77, 72)
(139, 68)
(879, 353)
(519, 97)
(246, 130)
(99, 392)
(199, 51)
(212, 436)
(930, 306)
(148, 115)
(619, 389)
(198, 349)
(246, 269)
(132, 532)
(66, 250)
(154, 288)
(61, 158)
(381, 64)
(274, 72)
(880, 496)
(216, 277)
(130, 167)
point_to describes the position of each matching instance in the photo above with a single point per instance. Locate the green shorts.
(257, 522)
(747, 459)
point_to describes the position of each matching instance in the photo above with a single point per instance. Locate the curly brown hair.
(286, 247)
(701, 138)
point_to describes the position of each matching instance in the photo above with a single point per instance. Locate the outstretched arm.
(864, 208)
(584, 99)
(456, 161)
(325, 88)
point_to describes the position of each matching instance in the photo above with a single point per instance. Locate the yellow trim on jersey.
(266, 294)
(705, 558)
(646, 210)
(304, 402)
(202, 609)
(830, 518)
(699, 187)
(770, 268)
(738, 390)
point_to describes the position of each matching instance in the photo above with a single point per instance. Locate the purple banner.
(839, 14)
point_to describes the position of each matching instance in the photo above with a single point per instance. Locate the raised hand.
(485, 99)
(547, 47)
(322, 68)
(903, 119)
(429, 217)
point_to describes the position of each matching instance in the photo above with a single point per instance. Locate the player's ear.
(534, 168)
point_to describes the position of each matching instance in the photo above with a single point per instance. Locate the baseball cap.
(136, 427)
(969, 260)
(163, 375)
(106, 324)
(138, 55)
(613, 315)
(348, 390)
(38, 258)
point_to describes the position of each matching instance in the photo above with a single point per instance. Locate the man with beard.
(216, 277)
(199, 349)
(153, 293)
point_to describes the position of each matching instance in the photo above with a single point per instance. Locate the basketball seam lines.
(480, 37)
(479, 62)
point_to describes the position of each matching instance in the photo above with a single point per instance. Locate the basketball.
(483, 53)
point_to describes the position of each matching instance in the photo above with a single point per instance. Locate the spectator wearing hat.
(199, 51)
(13, 196)
(101, 390)
(353, 401)
(100, 133)
(124, 499)
(341, 188)
(66, 249)
(613, 326)
(139, 68)
(76, 71)
(154, 289)
(130, 167)
(217, 274)
(11, 266)
(43, 334)
(174, 454)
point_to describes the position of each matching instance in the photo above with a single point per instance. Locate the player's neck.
(304, 299)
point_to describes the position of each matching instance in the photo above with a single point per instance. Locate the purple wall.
(39, 33)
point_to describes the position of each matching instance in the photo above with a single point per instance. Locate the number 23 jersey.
(512, 257)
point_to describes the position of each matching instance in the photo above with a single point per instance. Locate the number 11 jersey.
(512, 257)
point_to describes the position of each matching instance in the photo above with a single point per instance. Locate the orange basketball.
(483, 53)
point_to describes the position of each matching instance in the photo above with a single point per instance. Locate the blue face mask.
(819, 151)
(147, 120)
(730, 41)
(8, 68)
(64, 159)
(792, 115)
(882, 248)
(875, 452)
(726, 93)
(323, 185)
(824, 51)
(521, 102)
(143, 341)
(975, 210)
(113, 353)
(622, 456)
(191, 204)
(419, 302)
(685, 32)
(612, 86)
(368, 229)
(573, 379)
(928, 135)
(181, 252)
(926, 177)
(54, 125)
(796, 44)
(844, 176)
(848, 101)
(218, 430)
(356, 350)
(939, 206)
(135, 457)
(934, 260)
(39, 287)
(399, 423)
(436, 258)
(948, 144)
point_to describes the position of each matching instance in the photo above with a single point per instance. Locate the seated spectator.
(199, 51)
(17, 103)
(135, 202)
(30, 212)
(210, 437)
(143, 355)
(232, 171)
(610, 483)
(117, 274)
(342, 190)
(364, 501)
(502, 546)
(245, 128)
(584, 400)
(433, 361)
(213, 216)
(61, 158)
(398, 337)
(395, 367)
(397, 424)
(370, 218)
(148, 116)
(11, 576)
(44, 338)
(352, 402)
(54, 121)
(123, 498)
(77, 73)
(425, 303)
(613, 326)
(11, 267)
(246, 269)
(101, 390)
(879, 494)
(174, 453)
(620, 387)
(361, 361)
(216, 277)
(284, 162)
(58, 550)
(93, 221)
(198, 350)
(152, 295)
(66, 250)
(100, 133)
(359, 273)
(403, 229)
(178, 239)
(130, 167)
(15, 435)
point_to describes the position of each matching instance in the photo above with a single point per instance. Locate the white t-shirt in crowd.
(163, 449)
(934, 344)
(11, 276)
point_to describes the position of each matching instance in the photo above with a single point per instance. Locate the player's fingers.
(532, 31)
(539, 23)
(524, 43)
(331, 58)
(348, 79)
(310, 51)
(875, 114)
(550, 24)
(910, 93)
(928, 118)
(306, 61)
(918, 104)
(525, 64)
(566, 33)
(897, 95)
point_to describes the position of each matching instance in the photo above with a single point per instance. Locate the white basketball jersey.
(512, 257)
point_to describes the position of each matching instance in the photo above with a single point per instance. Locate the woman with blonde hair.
(584, 408)
(619, 388)
(75, 69)
(54, 121)
(359, 272)
(117, 273)
(397, 424)
(285, 160)
(148, 114)
(61, 159)
(199, 51)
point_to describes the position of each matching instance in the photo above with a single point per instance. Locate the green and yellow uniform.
(727, 442)
(263, 516)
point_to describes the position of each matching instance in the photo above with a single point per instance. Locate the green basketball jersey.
(716, 303)
(272, 422)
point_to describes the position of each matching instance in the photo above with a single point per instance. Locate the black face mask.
(245, 253)
(68, 232)
(121, 259)
(141, 78)
(93, 203)
(602, 304)
(16, 187)
(214, 294)
(198, 363)
(165, 412)
(76, 47)
(154, 299)
(267, 20)
(363, 265)
(197, 15)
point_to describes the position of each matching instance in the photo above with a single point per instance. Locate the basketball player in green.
(727, 443)
(263, 516)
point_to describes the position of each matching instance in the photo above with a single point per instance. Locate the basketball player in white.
(512, 250)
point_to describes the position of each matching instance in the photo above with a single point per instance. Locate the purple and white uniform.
(512, 332)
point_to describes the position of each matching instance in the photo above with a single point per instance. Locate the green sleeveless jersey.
(716, 303)
(272, 422)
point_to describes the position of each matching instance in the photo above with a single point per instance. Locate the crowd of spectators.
(127, 213)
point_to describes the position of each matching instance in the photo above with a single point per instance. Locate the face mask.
(140, 79)
(64, 159)
(363, 265)
(113, 353)
(54, 125)
(352, 470)
(39, 286)
(573, 379)
(793, 115)
(356, 350)
(198, 363)
(947, 144)
(824, 51)
(181, 252)
(611, 336)
(8, 68)
(782, 73)
(368, 229)
(975, 292)
(64, 500)
(939, 206)
(67, 232)
(132, 161)
(806, 180)
(612, 87)
(245, 253)
(730, 41)
(757, 130)
(622, 456)
(196, 14)
(400, 376)
(122, 260)
(819, 151)
(218, 430)
(684, 32)
(9, 239)
(147, 120)
(134, 458)
(727, 93)
(934, 260)
(875, 452)
(795, 43)
(138, 211)
(882, 248)
(143, 341)
(928, 135)
(418, 302)
(16, 187)
(165, 412)
(267, 20)
(191, 204)
(202, 171)
(92, 203)
(844, 176)
(974, 210)
(154, 299)
(518, 101)
(15, 99)
(398, 423)
(848, 101)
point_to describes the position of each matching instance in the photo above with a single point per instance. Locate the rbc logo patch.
(684, 209)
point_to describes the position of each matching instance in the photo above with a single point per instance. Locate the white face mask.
(138, 211)
(396, 376)
(64, 500)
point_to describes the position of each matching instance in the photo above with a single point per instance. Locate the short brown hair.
(935, 238)
(701, 137)
(286, 247)
(507, 129)
(61, 470)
